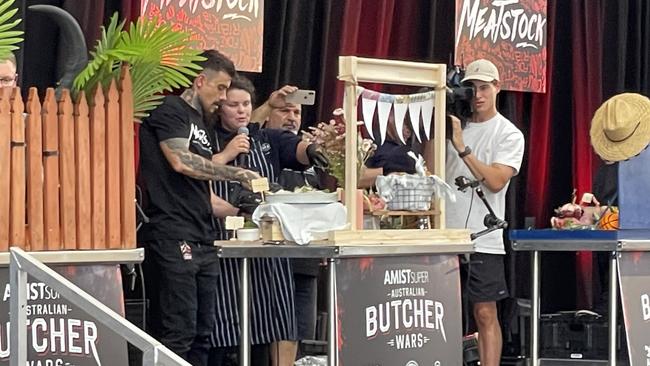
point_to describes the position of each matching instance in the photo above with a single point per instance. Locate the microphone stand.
(491, 221)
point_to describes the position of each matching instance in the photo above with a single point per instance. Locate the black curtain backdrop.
(297, 38)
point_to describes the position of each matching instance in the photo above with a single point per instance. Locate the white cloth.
(305, 222)
(494, 141)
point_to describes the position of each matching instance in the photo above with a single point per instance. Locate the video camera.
(459, 98)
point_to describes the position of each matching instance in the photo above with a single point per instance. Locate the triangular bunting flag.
(427, 114)
(383, 111)
(368, 108)
(399, 108)
(414, 113)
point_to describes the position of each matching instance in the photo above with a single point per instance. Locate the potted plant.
(160, 59)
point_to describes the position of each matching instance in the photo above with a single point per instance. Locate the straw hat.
(620, 128)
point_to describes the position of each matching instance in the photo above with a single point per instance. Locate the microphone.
(493, 221)
(242, 158)
(463, 183)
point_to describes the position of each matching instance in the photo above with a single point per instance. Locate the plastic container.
(248, 234)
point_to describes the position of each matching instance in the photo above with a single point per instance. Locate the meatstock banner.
(511, 34)
(234, 27)
(397, 311)
(634, 274)
(59, 333)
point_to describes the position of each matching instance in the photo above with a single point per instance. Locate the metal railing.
(22, 264)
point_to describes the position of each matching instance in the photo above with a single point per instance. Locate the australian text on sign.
(501, 20)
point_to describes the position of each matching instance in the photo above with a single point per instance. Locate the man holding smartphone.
(279, 113)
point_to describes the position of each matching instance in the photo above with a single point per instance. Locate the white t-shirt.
(494, 141)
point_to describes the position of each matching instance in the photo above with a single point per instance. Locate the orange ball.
(609, 221)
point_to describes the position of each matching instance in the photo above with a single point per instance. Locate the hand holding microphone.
(238, 148)
(242, 158)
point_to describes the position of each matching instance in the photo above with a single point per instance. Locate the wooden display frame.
(353, 70)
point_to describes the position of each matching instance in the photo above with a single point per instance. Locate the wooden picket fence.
(68, 179)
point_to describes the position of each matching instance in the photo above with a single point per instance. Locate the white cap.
(482, 70)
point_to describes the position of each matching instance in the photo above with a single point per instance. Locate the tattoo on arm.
(185, 162)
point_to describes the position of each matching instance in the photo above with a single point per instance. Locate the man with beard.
(280, 114)
(181, 264)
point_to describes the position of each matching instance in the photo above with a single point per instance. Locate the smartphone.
(300, 96)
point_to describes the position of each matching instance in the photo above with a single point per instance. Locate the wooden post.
(51, 170)
(439, 142)
(67, 172)
(98, 170)
(5, 162)
(17, 195)
(113, 167)
(82, 162)
(33, 129)
(127, 164)
(347, 66)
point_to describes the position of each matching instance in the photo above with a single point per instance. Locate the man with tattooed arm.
(181, 264)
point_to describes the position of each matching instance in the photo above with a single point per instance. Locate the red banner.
(511, 34)
(234, 27)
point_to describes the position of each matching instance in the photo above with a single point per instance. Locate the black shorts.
(483, 278)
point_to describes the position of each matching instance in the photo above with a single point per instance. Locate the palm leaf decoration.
(160, 58)
(8, 36)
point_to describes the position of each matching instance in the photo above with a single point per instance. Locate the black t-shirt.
(393, 158)
(178, 206)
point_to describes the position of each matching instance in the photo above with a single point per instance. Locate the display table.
(418, 283)
(60, 333)
(616, 242)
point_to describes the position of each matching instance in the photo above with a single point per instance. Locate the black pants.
(181, 280)
(306, 293)
(227, 356)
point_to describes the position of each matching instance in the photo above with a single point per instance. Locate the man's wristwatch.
(465, 152)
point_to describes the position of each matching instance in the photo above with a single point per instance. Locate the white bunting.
(414, 113)
(383, 110)
(427, 114)
(399, 109)
(368, 108)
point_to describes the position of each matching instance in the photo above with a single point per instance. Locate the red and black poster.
(634, 275)
(395, 311)
(234, 27)
(59, 333)
(510, 33)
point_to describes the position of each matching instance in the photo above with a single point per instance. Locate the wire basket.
(406, 192)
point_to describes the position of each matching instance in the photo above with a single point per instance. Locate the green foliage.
(8, 37)
(160, 59)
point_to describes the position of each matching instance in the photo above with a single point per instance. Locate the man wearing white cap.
(490, 150)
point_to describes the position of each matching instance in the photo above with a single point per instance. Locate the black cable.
(469, 269)
(144, 298)
(469, 211)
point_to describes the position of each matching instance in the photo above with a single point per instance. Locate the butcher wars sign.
(399, 311)
(634, 275)
(234, 27)
(510, 33)
(59, 333)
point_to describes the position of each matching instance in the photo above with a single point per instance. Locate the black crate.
(567, 336)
